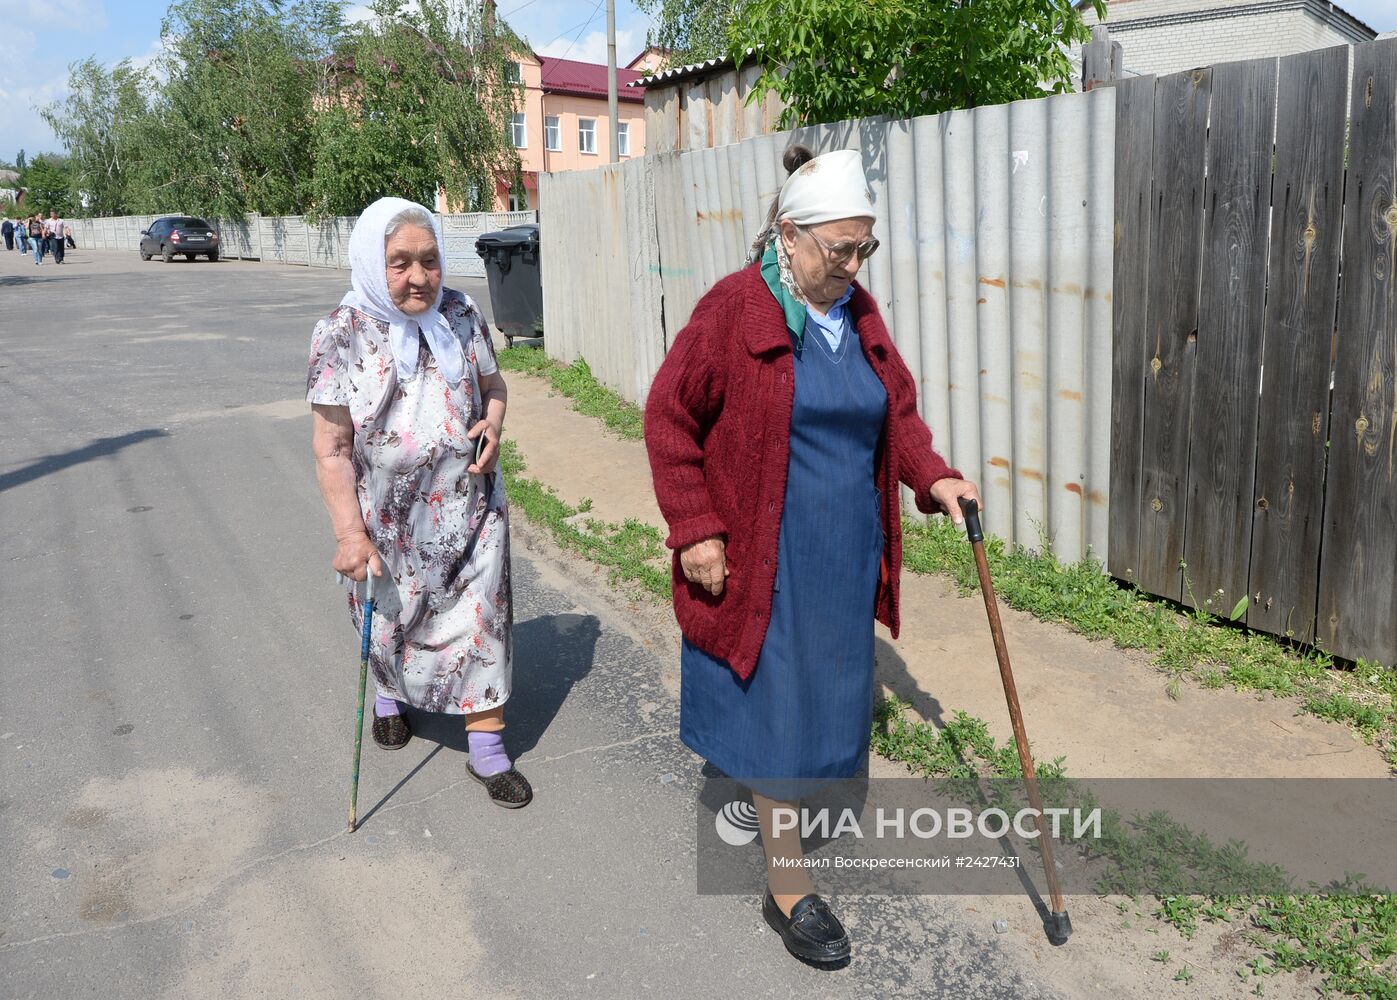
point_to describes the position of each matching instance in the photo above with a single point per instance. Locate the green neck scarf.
(790, 305)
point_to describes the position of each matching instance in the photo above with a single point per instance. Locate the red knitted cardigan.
(717, 428)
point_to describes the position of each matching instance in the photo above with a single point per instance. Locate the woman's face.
(822, 276)
(413, 268)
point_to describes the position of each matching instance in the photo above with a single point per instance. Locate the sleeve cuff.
(694, 529)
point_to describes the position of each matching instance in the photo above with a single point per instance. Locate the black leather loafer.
(391, 732)
(812, 933)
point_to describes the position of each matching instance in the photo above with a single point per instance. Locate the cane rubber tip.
(1059, 928)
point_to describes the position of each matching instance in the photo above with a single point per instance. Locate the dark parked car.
(179, 234)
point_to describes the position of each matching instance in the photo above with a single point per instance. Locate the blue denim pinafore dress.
(807, 710)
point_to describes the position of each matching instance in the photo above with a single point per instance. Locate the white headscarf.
(368, 272)
(829, 187)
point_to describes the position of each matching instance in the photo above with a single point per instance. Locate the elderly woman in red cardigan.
(779, 427)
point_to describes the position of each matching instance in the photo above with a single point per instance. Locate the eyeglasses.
(840, 253)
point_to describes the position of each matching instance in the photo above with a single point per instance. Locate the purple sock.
(384, 707)
(488, 757)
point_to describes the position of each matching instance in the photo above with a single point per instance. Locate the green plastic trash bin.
(516, 287)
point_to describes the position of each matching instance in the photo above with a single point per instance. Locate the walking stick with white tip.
(1058, 924)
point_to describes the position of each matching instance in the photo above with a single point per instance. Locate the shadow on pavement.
(551, 654)
(394, 790)
(47, 277)
(891, 671)
(100, 448)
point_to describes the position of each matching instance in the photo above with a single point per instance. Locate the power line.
(565, 33)
(584, 27)
(516, 10)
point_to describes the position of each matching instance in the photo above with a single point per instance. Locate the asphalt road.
(179, 677)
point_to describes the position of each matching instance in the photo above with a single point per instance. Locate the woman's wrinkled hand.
(948, 493)
(705, 563)
(353, 553)
(491, 453)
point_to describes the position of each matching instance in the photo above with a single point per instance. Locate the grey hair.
(413, 216)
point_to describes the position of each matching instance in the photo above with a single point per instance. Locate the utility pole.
(611, 78)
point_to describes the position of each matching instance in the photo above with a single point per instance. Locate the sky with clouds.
(39, 38)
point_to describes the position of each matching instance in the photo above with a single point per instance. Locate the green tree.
(99, 123)
(831, 60)
(232, 128)
(48, 185)
(693, 30)
(20, 161)
(419, 98)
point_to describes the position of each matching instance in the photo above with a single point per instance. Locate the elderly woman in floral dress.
(408, 410)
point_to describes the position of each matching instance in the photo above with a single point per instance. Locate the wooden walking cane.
(365, 635)
(1058, 924)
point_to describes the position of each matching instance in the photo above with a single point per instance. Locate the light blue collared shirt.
(835, 323)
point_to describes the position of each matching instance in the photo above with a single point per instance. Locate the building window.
(553, 133)
(623, 139)
(587, 135)
(518, 131)
(519, 202)
(514, 73)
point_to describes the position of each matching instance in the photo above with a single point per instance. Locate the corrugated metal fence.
(292, 239)
(994, 278)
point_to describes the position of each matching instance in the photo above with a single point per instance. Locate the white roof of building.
(673, 75)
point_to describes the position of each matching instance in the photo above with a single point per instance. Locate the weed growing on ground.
(577, 382)
(633, 553)
(1349, 936)
(1196, 644)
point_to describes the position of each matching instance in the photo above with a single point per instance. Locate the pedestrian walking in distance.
(779, 427)
(408, 411)
(55, 228)
(7, 230)
(38, 236)
(22, 236)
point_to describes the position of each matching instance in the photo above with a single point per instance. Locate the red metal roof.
(567, 76)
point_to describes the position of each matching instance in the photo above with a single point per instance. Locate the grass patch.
(633, 552)
(1201, 645)
(1348, 938)
(577, 383)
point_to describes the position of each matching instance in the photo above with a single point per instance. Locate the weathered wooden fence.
(295, 240)
(1256, 221)
(994, 278)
